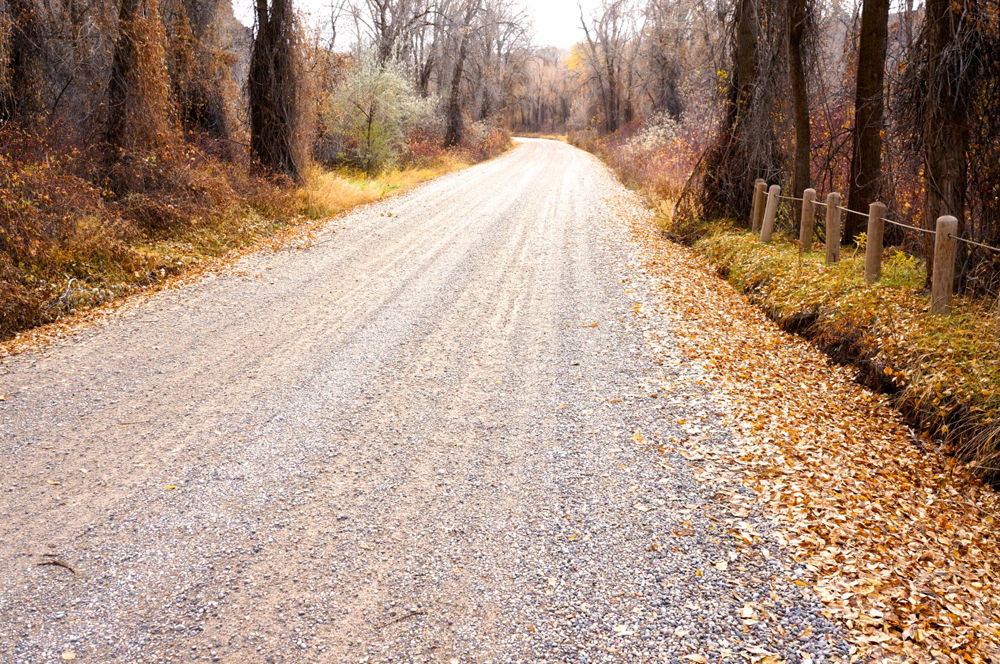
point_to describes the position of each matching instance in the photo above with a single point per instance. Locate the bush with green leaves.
(374, 108)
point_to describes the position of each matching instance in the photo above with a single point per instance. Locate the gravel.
(435, 435)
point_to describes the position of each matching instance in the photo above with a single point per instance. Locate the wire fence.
(974, 243)
(900, 224)
(765, 204)
(913, 228)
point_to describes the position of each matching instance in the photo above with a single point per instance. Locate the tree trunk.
(745, 57)
(138, 102)
(22, 82)
(122, 71)
(611, 122)
(453, 133)
(800, 99)
(946, 123)
(869, 104)
(273, 88)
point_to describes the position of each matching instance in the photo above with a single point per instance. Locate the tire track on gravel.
(427, 437)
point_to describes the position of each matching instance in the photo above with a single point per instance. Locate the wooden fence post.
(833, 213)
(873, 246)
(808, 223)
(770, 212)
(945, 252)
(759, 189)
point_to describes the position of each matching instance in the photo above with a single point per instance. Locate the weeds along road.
(435, 435)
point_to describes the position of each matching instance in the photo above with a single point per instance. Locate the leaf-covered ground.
(900, 541)
(944, 371)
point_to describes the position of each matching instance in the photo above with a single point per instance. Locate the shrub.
(374, 108)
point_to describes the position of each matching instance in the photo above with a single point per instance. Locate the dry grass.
(327, 193)
(67, 244)
(562, 138)
(943, 372)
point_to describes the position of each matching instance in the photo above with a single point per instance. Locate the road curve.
(434, 435)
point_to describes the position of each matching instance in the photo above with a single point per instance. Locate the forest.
(878, 102)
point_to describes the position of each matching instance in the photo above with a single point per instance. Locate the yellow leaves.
(897, 543)
(170, 487)
(695, 658)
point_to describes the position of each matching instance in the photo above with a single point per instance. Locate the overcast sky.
(556, 22)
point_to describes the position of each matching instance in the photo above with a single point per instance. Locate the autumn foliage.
(140, 138)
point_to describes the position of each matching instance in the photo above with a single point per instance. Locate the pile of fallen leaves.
(943, 371)
(899, 541)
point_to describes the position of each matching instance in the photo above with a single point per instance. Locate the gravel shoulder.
(438, 433)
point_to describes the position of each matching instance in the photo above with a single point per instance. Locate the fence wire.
(897, 223)
(974, 243)
(915, 228)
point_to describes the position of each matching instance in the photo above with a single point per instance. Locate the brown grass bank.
(69, 241)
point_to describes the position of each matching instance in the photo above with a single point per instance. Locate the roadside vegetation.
(140, 138)
(941, 372)
(690, 118)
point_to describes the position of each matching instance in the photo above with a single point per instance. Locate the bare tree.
(798, 25)
(453, 119)
(869, 103)
(607, 36)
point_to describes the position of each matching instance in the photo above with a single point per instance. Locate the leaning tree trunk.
(800, 99)
(869, 103)
(453, 132)
(946, 124)
(273, 86)
(735, 156)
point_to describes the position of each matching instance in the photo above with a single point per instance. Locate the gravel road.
(434, 435)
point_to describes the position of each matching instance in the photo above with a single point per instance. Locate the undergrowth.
(70, 239)
(943, 372)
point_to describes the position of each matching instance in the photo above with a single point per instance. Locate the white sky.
(556, 22)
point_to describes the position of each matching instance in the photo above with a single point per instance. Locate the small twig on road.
(57, 563)
(401, 618)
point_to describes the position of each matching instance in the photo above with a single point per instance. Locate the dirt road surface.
(435, 435)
